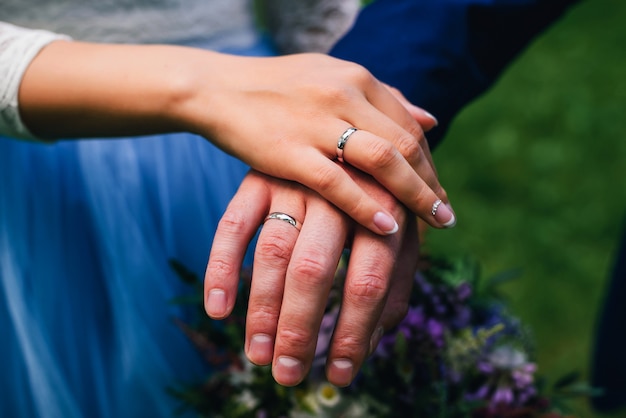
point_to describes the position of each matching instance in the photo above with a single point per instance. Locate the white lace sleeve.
(18, 47)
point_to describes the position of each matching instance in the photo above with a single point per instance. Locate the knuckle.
(349, 343)
(311, 268)
(295, 338)
(359, 75)
(232, 223)
(382, 154)
(393, 90)
(355, 78)
(370, 286)
(409, 147)
(274, 248)
(415, 130)
(337, 95)
(325, 177)
(263, 315)
(219, 269)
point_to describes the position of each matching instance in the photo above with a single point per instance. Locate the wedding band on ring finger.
(283, 217)
(342, 142)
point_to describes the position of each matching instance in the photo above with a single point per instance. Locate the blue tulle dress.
(86, 232)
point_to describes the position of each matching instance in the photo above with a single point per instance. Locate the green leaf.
(580, 389)
(503, 277)
(567, 380)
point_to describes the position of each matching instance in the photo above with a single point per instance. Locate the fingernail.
(432, 117)
(261, 349)
(376, 337)
(288, 371)
(445, 216)
(385, 223)
(216, 303)
(453, 215)
(340, 372)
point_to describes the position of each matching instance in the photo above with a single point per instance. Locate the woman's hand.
(281, 115)
(293, 271)
(284, 116)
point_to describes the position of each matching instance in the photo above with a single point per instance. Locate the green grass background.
(536, 172)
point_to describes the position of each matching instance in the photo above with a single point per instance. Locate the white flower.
(247, 399)
(245, 376)
(507, 358)
(310, 403)
(356, 409)
(328, 395)
(318, 402)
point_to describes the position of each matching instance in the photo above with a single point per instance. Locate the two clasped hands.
(346, 187)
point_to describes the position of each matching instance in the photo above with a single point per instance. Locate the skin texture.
(294, 270)
(250, 107)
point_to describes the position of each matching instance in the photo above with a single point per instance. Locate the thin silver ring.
(342, 141)
(435, 207)
(283, 217)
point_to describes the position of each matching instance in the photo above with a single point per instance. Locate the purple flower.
(326, 332)
(414, 319)
(502, 396)
(436, 332)
(463, 291)
(509, 378)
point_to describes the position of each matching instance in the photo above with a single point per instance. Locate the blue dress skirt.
(86, 232)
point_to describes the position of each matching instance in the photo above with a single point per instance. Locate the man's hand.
(293, 271)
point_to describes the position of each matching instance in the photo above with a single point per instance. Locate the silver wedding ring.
(283, 217)
(342, 142)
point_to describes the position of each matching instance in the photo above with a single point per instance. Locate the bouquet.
(458, 353)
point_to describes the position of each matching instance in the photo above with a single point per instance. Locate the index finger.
(234, 232)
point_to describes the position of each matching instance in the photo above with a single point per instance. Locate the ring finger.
(271, 258)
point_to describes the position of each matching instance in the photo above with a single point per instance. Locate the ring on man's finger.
(342, 142)
(283, 217)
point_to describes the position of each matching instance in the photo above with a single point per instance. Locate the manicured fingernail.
(385, 223)
(376, 337)
(216, 303)
(340, 371)
(261, 349)
(432, 117)
(453, 215)
(444, 214)
(288, 371)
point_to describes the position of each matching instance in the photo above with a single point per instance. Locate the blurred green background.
(536, 172)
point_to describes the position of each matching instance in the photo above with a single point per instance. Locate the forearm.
(74, 89)
(280, 115)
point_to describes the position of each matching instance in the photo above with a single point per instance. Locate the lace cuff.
(18, 47)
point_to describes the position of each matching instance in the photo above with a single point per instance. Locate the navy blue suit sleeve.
(444, 53)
